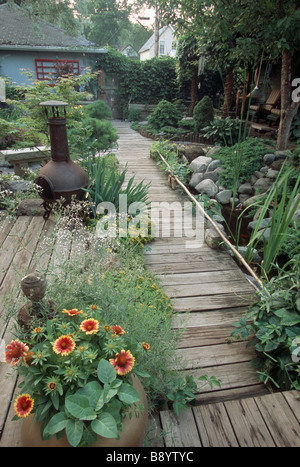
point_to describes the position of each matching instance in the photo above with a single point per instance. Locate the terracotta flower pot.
(132, 435)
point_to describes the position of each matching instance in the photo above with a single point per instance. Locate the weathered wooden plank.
(187, 257)
(248, 424)
(211, 302)
(25, 260)
(205, 265)
(292, 398)
(12, 243)
(202, 277)
(213, 355)
(180, 431)
(214, 426)
(221, 317)
(6, 224)
(280, 419)
(208, 288)
(233, 375)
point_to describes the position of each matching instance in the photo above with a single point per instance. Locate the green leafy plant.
(203, 113)
(225, 131)
(284, 206)
(103, 187)
(77, 377)
(98, 109)
(273, 326)
(165, 114)
(242, 159)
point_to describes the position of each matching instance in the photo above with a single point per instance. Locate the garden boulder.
(200, 164)
(207, 187)
(192, 152)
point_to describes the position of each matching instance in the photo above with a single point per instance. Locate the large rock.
(192, 152)
(200, 164)
(17, 185)
(207, 187)
(31, 207)
(269, 158)
(214, 174)
(196, 178)
(245, 189)
(272, 173)
(261, 185)
(212, 238)
(223, 197)
(264, 223)
(213, 165)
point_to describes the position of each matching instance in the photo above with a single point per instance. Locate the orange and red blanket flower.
(64, 345)
(14, 351)
(23, 405)
(123, 362)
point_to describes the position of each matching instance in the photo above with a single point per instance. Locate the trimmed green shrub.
(98, 109)
(203, 113)
(165, 114)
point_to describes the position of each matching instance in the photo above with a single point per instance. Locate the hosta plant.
(77, 374)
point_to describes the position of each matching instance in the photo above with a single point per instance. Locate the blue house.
(39, 46)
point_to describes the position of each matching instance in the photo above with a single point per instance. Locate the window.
(49, 70)
(174, 45)
(161, 47)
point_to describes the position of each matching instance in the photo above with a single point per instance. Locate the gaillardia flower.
(146, 346)
(73, 312)
(90, 326)
(117, 330)
(64, 345)
(123, 362)
(23, 405)
(15, 351)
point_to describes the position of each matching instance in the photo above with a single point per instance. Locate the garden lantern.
(60, 178)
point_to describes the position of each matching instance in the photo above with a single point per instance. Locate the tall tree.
(59, 12)
(237, 31)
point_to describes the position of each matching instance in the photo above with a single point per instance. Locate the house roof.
(150, 42)
(19, 31)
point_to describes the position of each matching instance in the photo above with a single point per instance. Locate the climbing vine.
(146, 82)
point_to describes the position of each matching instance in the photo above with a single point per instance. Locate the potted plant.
(80, 383)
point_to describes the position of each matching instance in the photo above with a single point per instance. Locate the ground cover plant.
(273, 326)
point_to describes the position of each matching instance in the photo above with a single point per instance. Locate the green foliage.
(140, 82)
(225, 131)
(170, 153)
(274, 321)
(203, 113)
(107, 186)
(284, 206)
(98, 109)
(248, 155)
(165, 114)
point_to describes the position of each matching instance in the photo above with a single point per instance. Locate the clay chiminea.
(60, 178)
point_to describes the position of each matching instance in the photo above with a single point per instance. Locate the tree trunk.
(228, 93)
(288, 108)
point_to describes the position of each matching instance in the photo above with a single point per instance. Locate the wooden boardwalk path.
(209, 292)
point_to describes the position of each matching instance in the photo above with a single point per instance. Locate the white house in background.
(166, 46)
